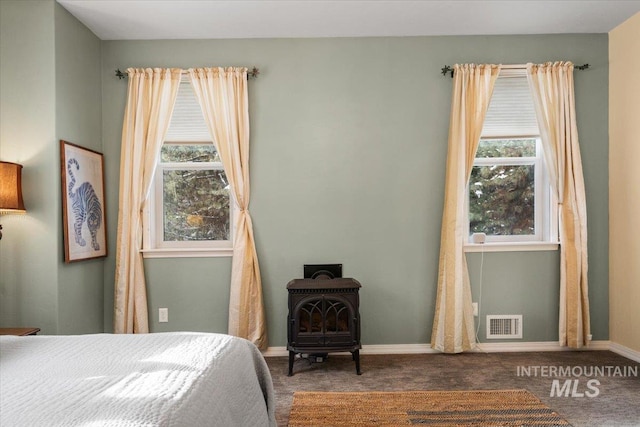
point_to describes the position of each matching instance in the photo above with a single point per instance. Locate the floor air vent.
(504, 326)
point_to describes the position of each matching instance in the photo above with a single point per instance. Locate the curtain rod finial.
(254, 72)
(446, 69)
(120, 75)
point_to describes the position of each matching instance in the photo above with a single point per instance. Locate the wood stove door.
(339, 327)
(322, 321)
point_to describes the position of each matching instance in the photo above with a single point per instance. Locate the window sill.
(187, 253)
(511, 246)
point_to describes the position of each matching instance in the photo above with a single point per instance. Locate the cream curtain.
(453, 324)
(223, 96)
(552, 88)
(151, 97)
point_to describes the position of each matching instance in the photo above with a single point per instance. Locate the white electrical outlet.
(475, 309)
(163, 315)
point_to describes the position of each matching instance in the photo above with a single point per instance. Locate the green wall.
(49, 89)
(348, 151)
(78, 120)
(348, 154)
(29, 248)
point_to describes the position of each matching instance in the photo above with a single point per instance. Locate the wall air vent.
(504, 326)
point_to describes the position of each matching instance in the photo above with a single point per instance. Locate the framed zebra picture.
(83, 204)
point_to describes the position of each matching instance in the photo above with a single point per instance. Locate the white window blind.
(511, 111)
(187, 123)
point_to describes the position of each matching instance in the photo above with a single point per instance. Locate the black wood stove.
(323, 314)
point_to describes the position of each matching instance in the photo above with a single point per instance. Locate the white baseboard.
(500, 347)
(397, 349)
(509, 347)
(625, 351)
(368, 349)
(275, 352)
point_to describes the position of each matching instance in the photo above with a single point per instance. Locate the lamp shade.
(11, 188)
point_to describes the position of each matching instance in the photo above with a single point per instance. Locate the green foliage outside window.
(195, 201)
(188, 153)
(502, 196)
(506, 148)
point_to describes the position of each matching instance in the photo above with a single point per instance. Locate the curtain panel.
(453, 324)
(223, 96)
(150, 100)
(553, 95)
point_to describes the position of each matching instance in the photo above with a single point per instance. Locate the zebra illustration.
(85, 206)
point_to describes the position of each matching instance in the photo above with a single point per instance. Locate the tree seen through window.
(195, 199)
(502, 195)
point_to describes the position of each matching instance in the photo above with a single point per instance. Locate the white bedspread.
(166, 379)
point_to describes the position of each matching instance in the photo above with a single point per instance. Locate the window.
(191, 208)
(506, 197)
(509, 197)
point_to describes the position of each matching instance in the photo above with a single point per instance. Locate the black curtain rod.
(251, 74)
(447, 69)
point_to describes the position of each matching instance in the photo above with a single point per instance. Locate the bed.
(162, 379)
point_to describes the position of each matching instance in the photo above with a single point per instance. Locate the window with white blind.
(509, 194)
(191, 208)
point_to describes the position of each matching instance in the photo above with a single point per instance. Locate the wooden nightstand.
(19, 331)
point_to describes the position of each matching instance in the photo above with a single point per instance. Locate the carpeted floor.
(614, 401)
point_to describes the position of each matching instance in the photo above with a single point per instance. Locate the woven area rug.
(432, 408)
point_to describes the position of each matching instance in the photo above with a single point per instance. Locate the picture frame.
(83, 203)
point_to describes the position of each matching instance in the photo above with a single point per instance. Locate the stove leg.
(356, 356)
(291, 357)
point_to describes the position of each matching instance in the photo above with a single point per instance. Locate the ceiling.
(208, 19)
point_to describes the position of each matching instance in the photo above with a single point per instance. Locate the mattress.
(163, 379)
